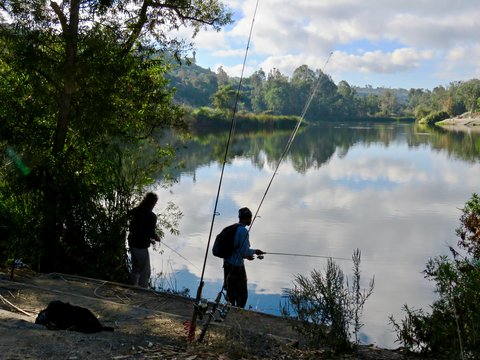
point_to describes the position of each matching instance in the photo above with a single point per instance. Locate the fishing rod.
(192, 325)
(292, 135)
(306, 255)
(211, 313)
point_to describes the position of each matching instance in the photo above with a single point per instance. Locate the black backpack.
(63, 316)
(223, 245)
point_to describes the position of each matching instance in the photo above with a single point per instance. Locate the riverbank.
(147, 325)
(465, 122)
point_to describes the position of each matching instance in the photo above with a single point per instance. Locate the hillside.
(195, 85)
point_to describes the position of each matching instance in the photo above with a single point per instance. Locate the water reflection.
(391, 190)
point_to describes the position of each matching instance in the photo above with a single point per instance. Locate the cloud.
(211, 40)
(236, 70)
(376, 36)
(460, 60)
(402, 59)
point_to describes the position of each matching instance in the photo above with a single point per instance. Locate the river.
(392, 190)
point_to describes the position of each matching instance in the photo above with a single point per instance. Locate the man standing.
(141, 234)
(235, 276)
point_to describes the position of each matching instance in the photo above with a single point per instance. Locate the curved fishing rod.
(215, 213)
(290, 141)
(230, 135)
(292, 135)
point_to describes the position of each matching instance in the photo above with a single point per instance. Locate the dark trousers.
(235, 280)
(140, 274)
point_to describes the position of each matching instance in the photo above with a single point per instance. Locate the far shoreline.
(466, 122)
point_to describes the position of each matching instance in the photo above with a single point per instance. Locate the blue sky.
(394, 43)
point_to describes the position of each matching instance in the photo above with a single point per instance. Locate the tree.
(388, 102)
(222, 77)
(277, 92)
(323, 104)
(371, 104)
(224, 98)
(470, 91)
(257, 82)
(83, 93)
(302, 82)
(303, 74)
(346, 104)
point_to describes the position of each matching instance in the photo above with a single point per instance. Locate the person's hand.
(249, 258)
(259, 252)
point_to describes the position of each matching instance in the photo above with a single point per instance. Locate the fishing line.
(372, 262)
(183, 257)
(307, 255)
(293, 135)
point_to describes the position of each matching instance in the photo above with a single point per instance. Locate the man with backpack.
(235, 276)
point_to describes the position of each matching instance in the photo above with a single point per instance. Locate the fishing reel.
(218, 310)
(201, 308)
(223, 310)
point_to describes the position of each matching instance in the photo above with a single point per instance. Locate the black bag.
(223, 245)
(63, 316)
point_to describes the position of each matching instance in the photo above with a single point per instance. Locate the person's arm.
(244, 244)
(153, 225)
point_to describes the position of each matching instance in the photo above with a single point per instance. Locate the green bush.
(433, 117)
(326, 308)
(421, 111)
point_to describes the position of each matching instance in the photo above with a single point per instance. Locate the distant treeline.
(277, 94)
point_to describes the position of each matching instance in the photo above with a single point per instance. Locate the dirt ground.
(147, 325)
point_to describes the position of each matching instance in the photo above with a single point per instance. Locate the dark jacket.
(142, 227)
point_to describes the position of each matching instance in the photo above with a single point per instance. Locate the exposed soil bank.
(148, 325)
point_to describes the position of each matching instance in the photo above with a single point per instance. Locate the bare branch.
(61, 16)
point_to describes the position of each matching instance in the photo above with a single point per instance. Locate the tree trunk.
(53, 192)
(70, 35)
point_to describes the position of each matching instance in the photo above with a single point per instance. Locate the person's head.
(245, 216)
(150, 200)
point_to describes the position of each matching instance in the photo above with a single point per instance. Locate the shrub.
(433, 117)
(326, 307)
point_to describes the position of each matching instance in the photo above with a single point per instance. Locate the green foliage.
(453, 326)
(224, 98)
(469, 229)
(433, 117)
(470, 92)
(15, 225)
(193, 85)
(326, 307)
(421, 111)
(83, 104)
(278, 94)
